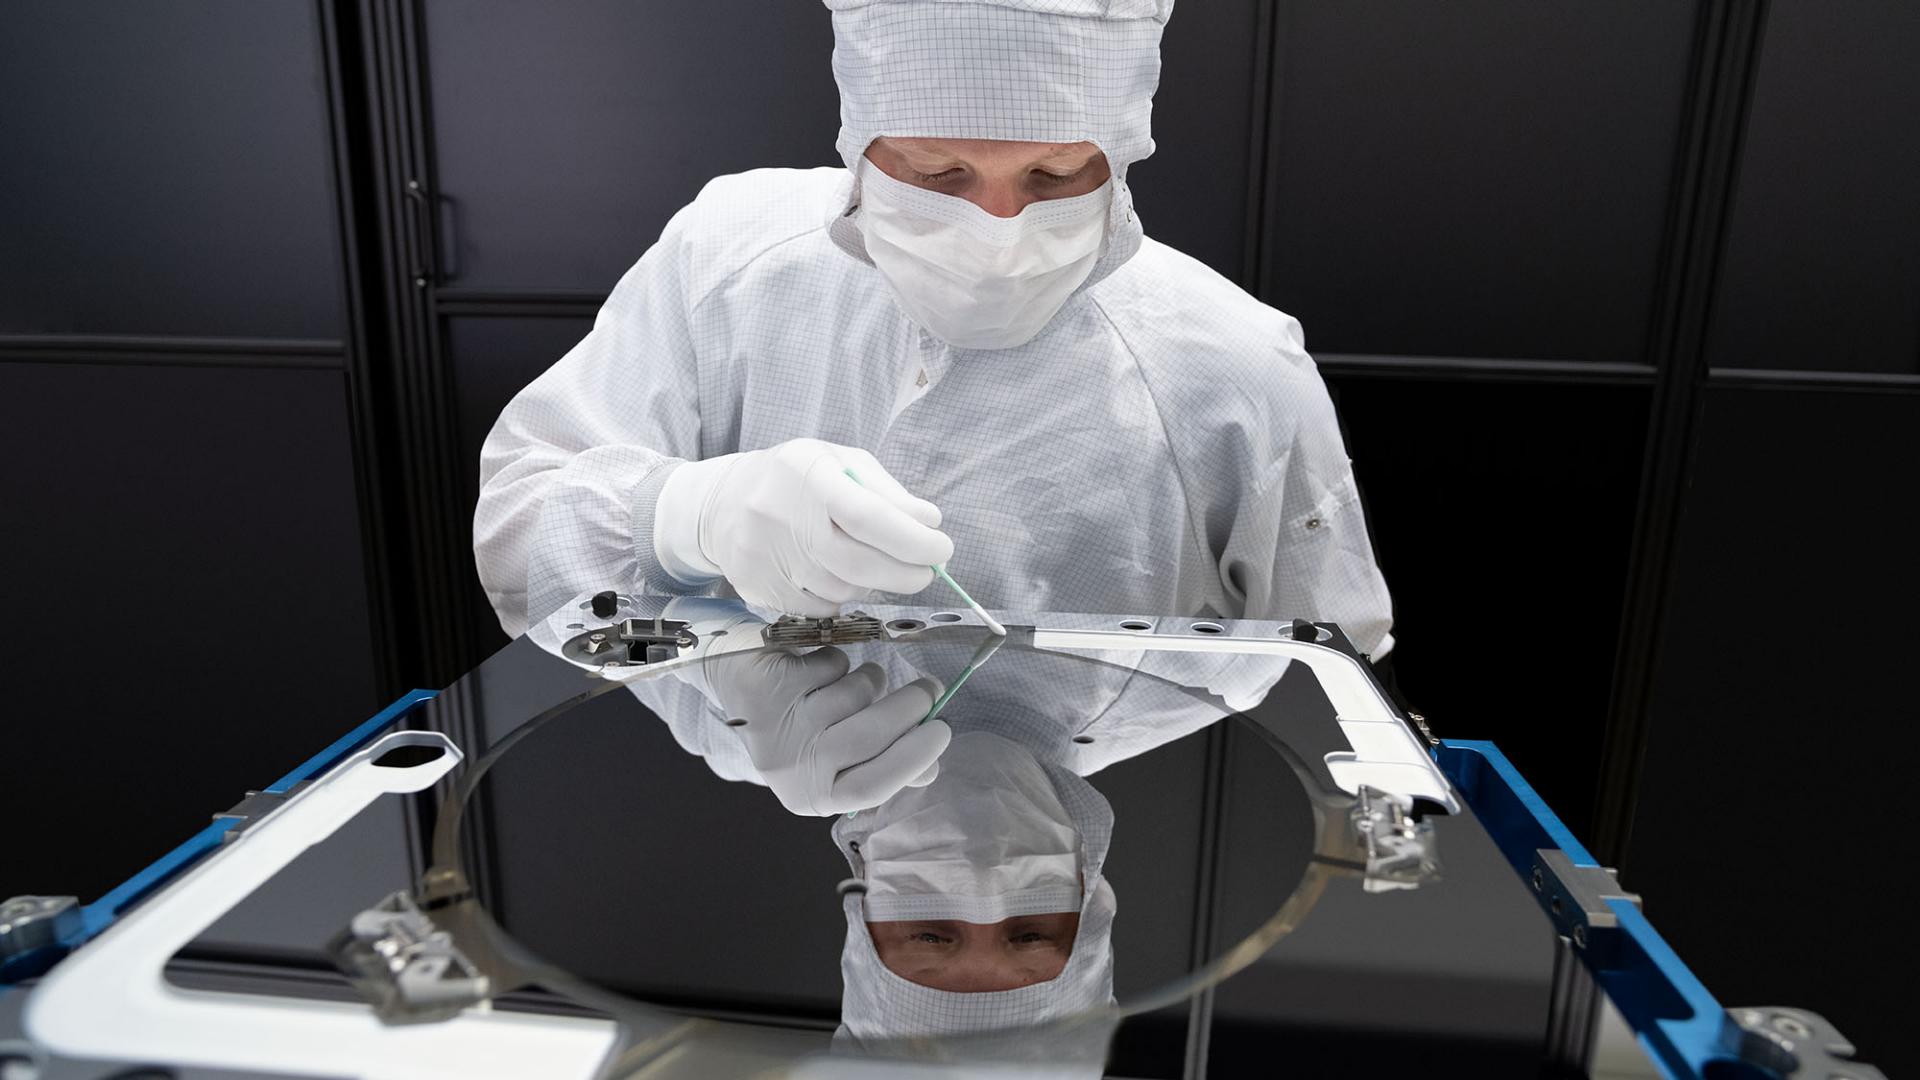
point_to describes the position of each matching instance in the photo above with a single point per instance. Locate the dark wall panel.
(566, 134)
(1822, 268)
(167, 170)
(1482, 178)
(186, 611)
(566, 138)
(1782, 716)
(1502, 515)
(1192, 193)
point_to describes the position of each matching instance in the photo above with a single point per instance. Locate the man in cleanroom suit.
(962, 347)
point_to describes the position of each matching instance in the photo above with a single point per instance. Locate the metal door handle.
(436, 236)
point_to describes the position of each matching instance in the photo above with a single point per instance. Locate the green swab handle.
(941, 573)
(945, 577)
(987, 648)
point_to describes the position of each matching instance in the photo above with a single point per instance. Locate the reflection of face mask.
(973, 280)
(986, 841)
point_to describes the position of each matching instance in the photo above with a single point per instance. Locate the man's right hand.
(792, 531)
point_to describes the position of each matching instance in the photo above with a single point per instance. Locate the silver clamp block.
(250, 810)
(406, 967)
(630, 643)
(35, 922)
(1798, 1045)
(1577, 897)
(1401, 852)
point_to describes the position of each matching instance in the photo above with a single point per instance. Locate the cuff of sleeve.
(667, 521)
(656, 576)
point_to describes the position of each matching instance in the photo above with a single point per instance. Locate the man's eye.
(1031, 937)
(940, 177)
(1057, 179)
(928, 937)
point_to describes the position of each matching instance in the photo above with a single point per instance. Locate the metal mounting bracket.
(1798, 1045)
(406, 967)
(793, 630)
(1576, 896)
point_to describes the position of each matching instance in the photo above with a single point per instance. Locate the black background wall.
(1620, 302)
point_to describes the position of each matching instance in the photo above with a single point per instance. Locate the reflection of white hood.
(988, 840)
(878, 1005)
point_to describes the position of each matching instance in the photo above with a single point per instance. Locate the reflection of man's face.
(969, 958)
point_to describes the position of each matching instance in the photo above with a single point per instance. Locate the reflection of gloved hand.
(791, 531)
(825, 740)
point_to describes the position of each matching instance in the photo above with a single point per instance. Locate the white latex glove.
(827, 740)
(792, 532)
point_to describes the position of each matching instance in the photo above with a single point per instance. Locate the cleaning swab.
(940, 572)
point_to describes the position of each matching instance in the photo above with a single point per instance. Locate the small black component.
(1305, 631)
(605, 604)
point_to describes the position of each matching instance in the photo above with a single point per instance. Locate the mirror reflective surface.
(681, 826)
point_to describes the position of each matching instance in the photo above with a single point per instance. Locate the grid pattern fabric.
(1030, 70)
(1163, 447)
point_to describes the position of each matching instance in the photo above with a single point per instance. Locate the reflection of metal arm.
(1387, 754)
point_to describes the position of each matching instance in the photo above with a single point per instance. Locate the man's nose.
(1001, 198)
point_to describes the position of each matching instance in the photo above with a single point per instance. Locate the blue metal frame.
(1683, 1028)
(77, 926)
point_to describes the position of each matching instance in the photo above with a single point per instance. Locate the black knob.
(605, 604)
(1302, 630)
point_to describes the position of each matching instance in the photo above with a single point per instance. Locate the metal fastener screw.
(1789, 1026)
(1539, 880)
(1579, 937)
(1313, 523)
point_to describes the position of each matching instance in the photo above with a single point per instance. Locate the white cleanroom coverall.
(1163, 446)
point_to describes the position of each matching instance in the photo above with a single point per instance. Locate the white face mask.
(986, 841)
(973, 280)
